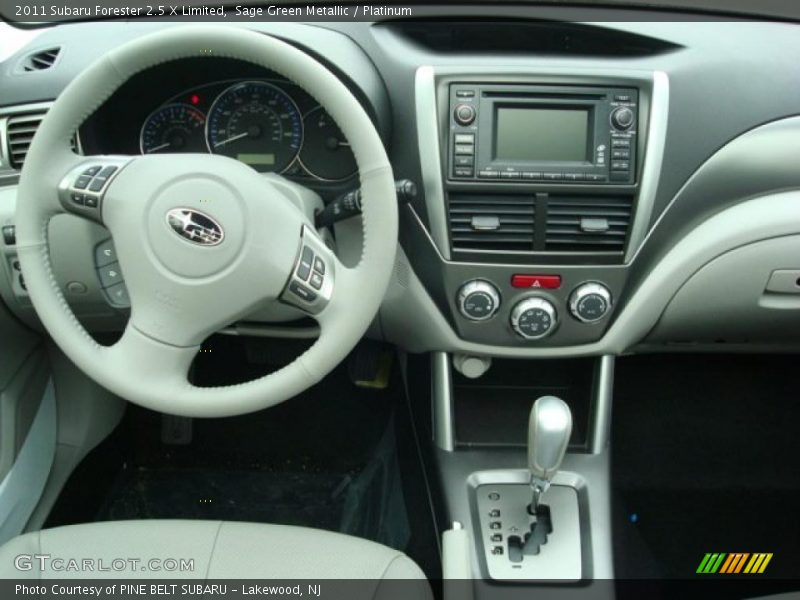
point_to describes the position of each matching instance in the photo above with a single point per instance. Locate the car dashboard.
(583, 188)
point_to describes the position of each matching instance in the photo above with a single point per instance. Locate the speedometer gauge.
(173, 128)
(257, 123)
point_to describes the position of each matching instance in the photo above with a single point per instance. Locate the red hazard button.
(546, 282)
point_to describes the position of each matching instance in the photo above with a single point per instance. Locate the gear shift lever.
(549, 428)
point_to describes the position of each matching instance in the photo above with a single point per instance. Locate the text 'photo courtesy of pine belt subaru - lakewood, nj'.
(487, 301)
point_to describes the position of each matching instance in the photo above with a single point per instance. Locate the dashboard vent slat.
(41, 60)
(511, 218)
(572, 224)
(19, 135)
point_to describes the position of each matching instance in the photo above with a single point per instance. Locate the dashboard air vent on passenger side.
(587, 223)
(40, 60)
(491, 222)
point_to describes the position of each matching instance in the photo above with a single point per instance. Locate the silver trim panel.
(442, 396)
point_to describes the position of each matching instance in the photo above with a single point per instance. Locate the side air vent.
(489, 222)
(19, 133)
(41, 60)
(587, 223)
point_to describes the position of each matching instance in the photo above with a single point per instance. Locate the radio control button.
(594, 177)
(622, 98)
(489, 174)
(465, 93)
(620, 154)
(532, 175)
(463, 172)
(620, 165)
(465, 138)
(463, 161)
(510, 175)
(552, 176)
(622, 118)
(620, 142)
(465, 149)
(573, 176)
(464, 114)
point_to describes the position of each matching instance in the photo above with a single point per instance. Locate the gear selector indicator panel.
(505, 525)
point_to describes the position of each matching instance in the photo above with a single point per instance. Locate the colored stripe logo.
(734, 563)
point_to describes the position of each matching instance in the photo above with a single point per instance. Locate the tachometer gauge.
(174, 128)
(326, 153)
(257, 123)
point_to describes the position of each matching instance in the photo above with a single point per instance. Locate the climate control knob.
(590, 302)
(622, 118)
(534, 318)
(478, 300)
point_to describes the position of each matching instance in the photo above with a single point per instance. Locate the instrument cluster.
(271, 125)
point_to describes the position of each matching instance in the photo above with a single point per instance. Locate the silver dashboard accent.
(442, 396)
(652, 163)
(484, 289)
(600, 422)
(503, 514)
(583, 292)
(529, 304)
(430, 156)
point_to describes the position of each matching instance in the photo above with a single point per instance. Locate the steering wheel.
(203, 240)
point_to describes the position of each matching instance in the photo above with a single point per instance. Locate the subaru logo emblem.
(195, 227)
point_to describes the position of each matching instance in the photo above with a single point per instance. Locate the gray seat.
(218, 549)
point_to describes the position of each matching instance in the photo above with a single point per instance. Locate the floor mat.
(311, 500)
(705, 459)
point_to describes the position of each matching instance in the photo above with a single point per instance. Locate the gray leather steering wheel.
(202, 240)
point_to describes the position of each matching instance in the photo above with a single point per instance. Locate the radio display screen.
(531, 134)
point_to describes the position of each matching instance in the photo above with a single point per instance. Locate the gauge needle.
(157, 148)
(231, 139)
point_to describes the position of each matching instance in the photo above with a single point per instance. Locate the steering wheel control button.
(316, 281)
(478, 300)
(310, 286)
(545, 282)
(105, 253)
(306, 260)
(93, 178)
(534, 318)
(302, 292)
(590, 302)
(82, 182)
(118, 296)
(109, 275)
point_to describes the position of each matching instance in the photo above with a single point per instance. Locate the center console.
(538, 190)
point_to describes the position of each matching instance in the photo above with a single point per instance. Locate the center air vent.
(491, 222)
(40, 60)
(587, 223)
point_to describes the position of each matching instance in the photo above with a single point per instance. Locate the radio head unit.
(543, 133)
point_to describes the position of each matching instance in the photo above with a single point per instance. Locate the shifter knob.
(549, 428)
